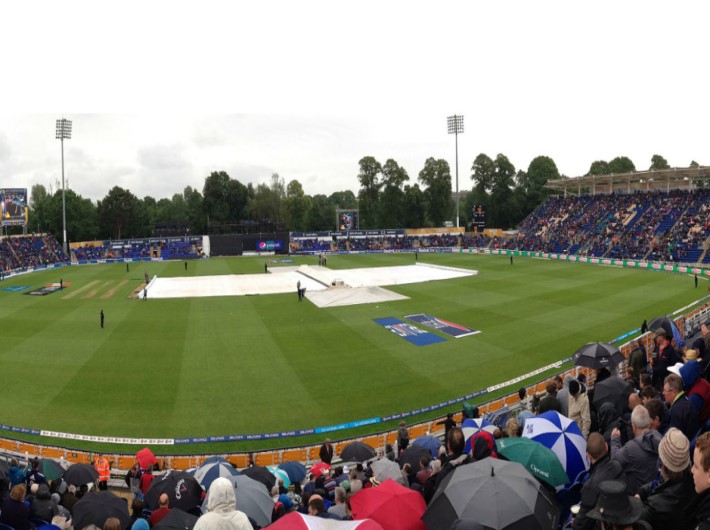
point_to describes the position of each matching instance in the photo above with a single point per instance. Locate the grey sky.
(162, 93)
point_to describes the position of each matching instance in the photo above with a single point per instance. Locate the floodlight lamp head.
(63, 129)
(455, 124)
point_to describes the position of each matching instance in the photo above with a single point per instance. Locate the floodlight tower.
(456, 127)
(64, 133)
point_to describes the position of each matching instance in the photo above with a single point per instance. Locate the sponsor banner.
(262, 246)
(106, 439)
(450, 328)
(408, 332)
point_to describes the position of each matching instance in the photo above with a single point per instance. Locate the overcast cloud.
(163, 93)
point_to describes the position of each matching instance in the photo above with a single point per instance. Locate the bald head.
(634, 401)
(164, 500)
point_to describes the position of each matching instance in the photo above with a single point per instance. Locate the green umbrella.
(51, 469)
(540, 461)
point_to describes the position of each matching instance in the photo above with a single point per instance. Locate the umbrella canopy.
(540, 461)
(261, 474)
(176, 520)
(251, 498)
(432, 443)
(390, 504)
(562, 435)
(181, 487)
(612, 390)
(411, 456)
(146, 458)
(471, 426)
(669, 327)
(295, 470)
(78, 474)
(385, 468)
(207, 473)
(495, 493)
(357, 452)
(298, 521)
(319, 468)
(51, 469)
(598, 355)
(4, 468)
(96, 507)
(280, 474)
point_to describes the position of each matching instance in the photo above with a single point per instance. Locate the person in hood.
(16, 474)
(639, 457)
(222, 513)
(697, 388)
(42, 506)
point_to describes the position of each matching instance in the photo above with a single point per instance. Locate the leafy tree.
(502, 208)
(436, 177)
(118, 214)
(541, 170)
(216, 198)
(195, 210)
(482, 173)
(321, 214)
(693, 164)
(658, 162)
(621, 164)
(343, 199)
(392, 198)
(413, 206)
(297, 206)
(368, 195)
(38, 205)
(599, 167)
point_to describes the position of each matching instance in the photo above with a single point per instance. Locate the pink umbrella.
(390, 504)
(298, 521)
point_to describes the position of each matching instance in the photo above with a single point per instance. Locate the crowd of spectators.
(31, 251)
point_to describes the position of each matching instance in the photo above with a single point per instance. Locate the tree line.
(386, 199)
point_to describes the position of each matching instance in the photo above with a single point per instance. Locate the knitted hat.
(674, 450)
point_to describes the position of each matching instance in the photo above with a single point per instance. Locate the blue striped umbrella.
(207, 473)
(295, 470)
(471, 426)
(432, 443)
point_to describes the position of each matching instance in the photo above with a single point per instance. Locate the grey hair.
(640, 418)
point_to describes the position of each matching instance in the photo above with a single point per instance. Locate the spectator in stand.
(146, 479)
(697, 388)
(14, 511)
(550, 402)
(639, 456)
(222, 510)
(339, 507)
(162, 510)
(455, 456)
(682, 414)
(326, 452)
(578, 408)
(700, 508)
(402, 437)
(16, 474)
(449, 423)
(602, 468)
(563, 393)
(666, 501)
(41, 505)
(664, 355)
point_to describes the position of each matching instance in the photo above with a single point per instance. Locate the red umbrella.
(319, 468)
(390, 504)
(298, 521)
(146, 458)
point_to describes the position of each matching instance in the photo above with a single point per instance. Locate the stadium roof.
(659, 180)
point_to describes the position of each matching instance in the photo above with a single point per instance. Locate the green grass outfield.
(256, 364)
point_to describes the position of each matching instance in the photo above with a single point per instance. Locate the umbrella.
(598, 355)
(390, 504)
(411, 456)
(4, 468)
(280, 474)
(206, 473)
(385, 468)
(430, 442)
(51, 469)
(146, 458)
(295, 470)
(251, 499)
(261, 474)
(78, 474)
(612, 390)
(176, 520)
(299, 521)
(540, 461)
(319, 468)
(495, 493)
(182, 489)
(669, 327)
(96, 507)
(562, 435)
(471, 426)
(215, 458)
(357, 452)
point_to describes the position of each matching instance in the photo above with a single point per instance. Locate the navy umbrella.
(598, 355)
(295, 470)
(357, 452)
(96, 507)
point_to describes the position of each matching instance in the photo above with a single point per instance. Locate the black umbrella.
(411, 456)
(176, 520)
(662, 322)
(261, 474)
(612, 390)
(78, 474)
(96, 507)
(184, 492)
(497, 494)
(357, 452)
(598, 355)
